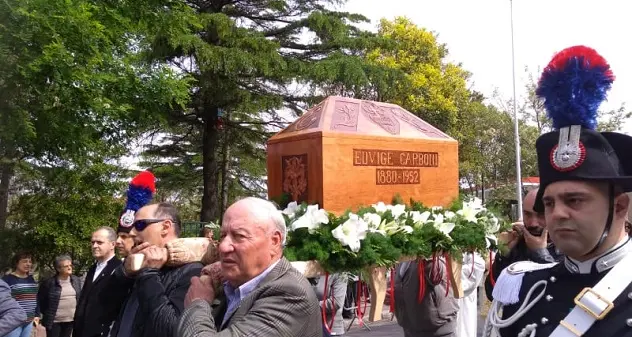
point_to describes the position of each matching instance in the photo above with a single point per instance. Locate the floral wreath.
(382, 235)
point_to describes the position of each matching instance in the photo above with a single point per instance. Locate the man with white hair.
(262, 294)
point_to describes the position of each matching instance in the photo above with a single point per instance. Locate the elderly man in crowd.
(156, 300)
(264, 295)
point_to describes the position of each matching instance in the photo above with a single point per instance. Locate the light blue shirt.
(235, 296)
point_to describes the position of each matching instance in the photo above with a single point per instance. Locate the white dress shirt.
(100, 267)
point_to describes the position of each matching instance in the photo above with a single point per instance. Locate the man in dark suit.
(264, 295)
(89, 317)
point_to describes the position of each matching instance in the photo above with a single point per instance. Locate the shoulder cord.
(494, 320)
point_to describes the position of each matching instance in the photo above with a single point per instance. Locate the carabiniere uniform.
(571, 298)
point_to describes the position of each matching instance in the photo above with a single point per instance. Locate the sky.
(478, 35)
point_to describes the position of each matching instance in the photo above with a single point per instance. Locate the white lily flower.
(449, 215)
(443, 227)
(380, 207)
(419, 219)
(291, 209)
(407, 229)
(351, 232)
(373, 220)
(397, 210)
(469, 211)
(312, 219)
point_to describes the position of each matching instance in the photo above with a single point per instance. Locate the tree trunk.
(225, 177)
(225, 169)
(210, 204)
(7, 171)
(483, 188)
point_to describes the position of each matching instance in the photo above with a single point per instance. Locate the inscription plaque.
(396, 176)
(363, 157)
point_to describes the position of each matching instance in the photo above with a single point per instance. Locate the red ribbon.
(328, 326)
(435, 274)
(392, 302)
(491, 273)
(422, 280)
(360, 292)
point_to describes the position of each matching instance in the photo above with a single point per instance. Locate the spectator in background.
(58, 297)
(124, 243)
(336, 287)
(24, 291)
(11, 313)
(207, 232)
(89, 320)
(527, 241)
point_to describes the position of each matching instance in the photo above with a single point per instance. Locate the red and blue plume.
(573, 86)
(141, 190)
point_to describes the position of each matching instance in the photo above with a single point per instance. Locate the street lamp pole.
(516, 126)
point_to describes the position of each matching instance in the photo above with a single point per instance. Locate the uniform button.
(630, 296)
(549, 298)
(544, 320)
(552, 279)
(628, 321)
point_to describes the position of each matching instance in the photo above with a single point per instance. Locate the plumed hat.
(140, 192)
(573, 86)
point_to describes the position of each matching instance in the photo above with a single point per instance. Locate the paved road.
(388, 328)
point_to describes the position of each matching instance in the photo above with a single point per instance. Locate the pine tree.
(247, 59)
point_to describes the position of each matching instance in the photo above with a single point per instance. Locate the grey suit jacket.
(282, 305)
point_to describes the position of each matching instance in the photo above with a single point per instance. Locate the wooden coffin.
(344, 153)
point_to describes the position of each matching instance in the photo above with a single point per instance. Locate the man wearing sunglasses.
(156, 300)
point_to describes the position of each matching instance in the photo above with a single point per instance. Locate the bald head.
(252, 238)
(529, 200)
(263, 213)
(531, 218)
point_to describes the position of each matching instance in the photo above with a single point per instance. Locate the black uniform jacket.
(565, 281)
